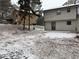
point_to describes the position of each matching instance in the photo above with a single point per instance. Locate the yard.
(37, 44)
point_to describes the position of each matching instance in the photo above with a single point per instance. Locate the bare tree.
(27, 6)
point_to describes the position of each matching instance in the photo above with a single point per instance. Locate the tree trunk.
(24, 23)
(29, 20)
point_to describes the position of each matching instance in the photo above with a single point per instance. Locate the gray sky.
(48, 4)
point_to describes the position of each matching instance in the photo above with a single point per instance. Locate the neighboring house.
(64, 18)
(18, 18)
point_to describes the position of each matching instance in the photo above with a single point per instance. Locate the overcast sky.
(48, 4)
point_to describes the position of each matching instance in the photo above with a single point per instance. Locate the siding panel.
(52, 16)
(48, 25)
(62, 25)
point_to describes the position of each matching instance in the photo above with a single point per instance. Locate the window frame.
(69, 22)
(68, 10)
(58, 12)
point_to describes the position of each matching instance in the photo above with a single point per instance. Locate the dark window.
(68, 22)
(53, 25)
(68, 10)
(58, 12)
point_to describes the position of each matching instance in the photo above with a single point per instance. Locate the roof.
(71, 5)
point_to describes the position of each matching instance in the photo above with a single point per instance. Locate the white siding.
(48, 25)
(62, 25)
(78, 24)
(78, 10)
(52, 15)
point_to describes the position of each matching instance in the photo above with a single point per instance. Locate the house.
(65, 18)
(18, 18)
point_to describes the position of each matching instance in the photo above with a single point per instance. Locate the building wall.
(77, 10)
(47, 25)
(52, 14)
(62, 25)
(77, 24)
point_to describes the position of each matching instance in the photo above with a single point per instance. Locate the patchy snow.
(60, 35)
(37, 44)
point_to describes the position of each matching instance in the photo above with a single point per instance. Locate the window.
(68, 9)
(68, 22)
(53, 25)
(58, 12)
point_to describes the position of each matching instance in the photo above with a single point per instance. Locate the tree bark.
(29, 21)
(24, 23)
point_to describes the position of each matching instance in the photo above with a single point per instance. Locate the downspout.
(76, 29)
(76, 20)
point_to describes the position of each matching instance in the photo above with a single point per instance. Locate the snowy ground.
(37, 44)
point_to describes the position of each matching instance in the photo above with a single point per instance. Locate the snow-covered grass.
(60, 35)
(37, 44)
